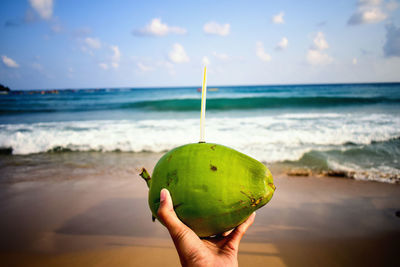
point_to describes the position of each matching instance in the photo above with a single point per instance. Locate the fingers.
(237, 234)
(224, 234)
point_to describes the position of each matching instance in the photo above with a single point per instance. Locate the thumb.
(185, 240)
(168, 216)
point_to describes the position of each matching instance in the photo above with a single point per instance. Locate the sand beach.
(90, 209)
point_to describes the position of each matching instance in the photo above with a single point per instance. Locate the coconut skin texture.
(214, 188)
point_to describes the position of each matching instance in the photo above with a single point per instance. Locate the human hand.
(193, 251)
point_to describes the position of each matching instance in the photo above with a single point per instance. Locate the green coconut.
(214, 188)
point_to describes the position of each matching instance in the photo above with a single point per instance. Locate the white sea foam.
(267, 138)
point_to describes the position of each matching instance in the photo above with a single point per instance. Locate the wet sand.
(92, 211)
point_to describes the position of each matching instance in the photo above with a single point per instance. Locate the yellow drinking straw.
(203, 106)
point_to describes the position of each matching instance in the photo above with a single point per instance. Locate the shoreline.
(82, 160)
(79, 215)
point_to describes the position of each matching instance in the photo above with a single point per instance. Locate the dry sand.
(101, 219)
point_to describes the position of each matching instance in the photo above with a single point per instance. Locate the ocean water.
(348, 128)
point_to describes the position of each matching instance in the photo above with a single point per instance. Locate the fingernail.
(163, 195)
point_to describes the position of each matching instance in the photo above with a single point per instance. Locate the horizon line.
(197, 86)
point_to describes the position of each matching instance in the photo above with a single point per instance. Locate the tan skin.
(193, 251)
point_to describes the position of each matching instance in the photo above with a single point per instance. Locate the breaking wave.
(193, 104)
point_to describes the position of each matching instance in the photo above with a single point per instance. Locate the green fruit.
(214, 188)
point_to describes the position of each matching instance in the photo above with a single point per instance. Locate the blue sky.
(48, 44)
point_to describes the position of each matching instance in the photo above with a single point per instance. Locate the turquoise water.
(346, 127)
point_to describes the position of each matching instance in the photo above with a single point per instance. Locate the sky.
(57, 44)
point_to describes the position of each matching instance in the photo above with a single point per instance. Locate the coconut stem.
(146, 176)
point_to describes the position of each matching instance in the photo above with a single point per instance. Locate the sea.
(349, 130)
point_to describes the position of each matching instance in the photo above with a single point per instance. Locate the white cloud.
(93, 43)
(282, 44)
(112, 54)
(9, 62)
(315, 56)
(220, 56)
(157, 28)
(354, 61)
(116, 56)
(319, 42)
(205, 61)
(278, 18)
(143, 67)
(103, 65)
(178, 54)
(369, 11)
(261, 53)
(371, 15)
(216, 28)
(369, 2)
(43, 7)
